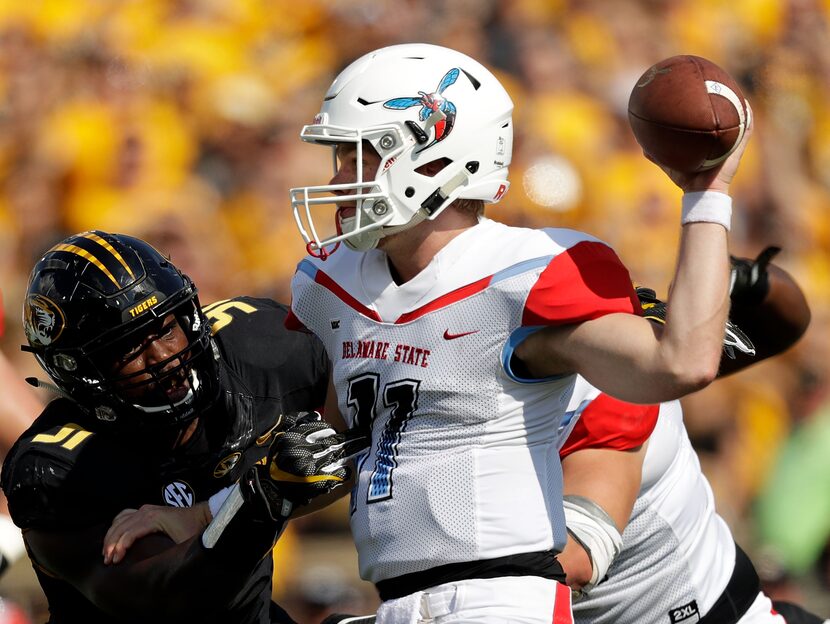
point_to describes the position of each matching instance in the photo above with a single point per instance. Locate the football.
(687, 113)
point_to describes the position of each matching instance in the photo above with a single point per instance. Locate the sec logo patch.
(179, 494)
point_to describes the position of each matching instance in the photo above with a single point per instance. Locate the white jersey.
(678, 554)
(463, 463)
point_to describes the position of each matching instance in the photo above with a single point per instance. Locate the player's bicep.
(614, 352)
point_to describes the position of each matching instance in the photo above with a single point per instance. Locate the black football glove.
(750, 280)
(306, 460)
(292, 419)
(655, 310)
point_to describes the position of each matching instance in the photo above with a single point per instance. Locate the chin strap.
(428, 208)
(432, 203)
(39, 383)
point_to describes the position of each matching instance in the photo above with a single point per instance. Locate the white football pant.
(504, 600)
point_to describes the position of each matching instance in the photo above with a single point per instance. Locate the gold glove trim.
(287, 477)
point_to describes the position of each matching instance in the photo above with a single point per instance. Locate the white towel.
(405, 610)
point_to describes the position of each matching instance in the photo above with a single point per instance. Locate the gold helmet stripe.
(86, 256)
(94, 237)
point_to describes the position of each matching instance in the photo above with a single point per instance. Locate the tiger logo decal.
(43, 320)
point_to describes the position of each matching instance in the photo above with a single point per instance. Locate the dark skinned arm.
(771, 310)
(157, 579)
(766, 304)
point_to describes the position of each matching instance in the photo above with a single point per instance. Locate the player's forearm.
(325, 500)
(576, 563)
(600, 489)
(691, 342)
(608, 477)
(156, 579)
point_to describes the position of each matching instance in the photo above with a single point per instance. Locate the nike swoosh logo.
(449, 336)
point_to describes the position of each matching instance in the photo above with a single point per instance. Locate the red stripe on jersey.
(328, 283)
(608, 423)
(444, 300)
(562, 606)
(582, 283)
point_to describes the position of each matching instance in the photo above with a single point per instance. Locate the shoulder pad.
(271, 362)
(43, 476)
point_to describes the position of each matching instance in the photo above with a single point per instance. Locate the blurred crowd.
(178, 121)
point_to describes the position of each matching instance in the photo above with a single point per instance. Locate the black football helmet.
(97, 294)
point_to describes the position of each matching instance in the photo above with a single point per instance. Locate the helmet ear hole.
(409, 192)
(434, 167)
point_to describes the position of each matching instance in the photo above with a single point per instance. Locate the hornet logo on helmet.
(43, 320)
(436, 110)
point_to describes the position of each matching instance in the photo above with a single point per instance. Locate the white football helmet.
(415, 104)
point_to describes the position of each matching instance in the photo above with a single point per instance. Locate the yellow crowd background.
(178, 121)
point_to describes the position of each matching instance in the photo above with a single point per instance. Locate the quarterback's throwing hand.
(306, 460)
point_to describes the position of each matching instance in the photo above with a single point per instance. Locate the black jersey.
(67, 472)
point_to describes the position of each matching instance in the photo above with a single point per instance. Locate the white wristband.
(216, 501)
(708, 207)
